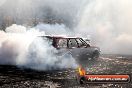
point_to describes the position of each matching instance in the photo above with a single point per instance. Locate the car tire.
(95, 54)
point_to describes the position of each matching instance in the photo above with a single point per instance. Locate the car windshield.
(81, 42)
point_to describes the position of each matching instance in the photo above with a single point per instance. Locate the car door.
(73, 47)
(79, 49)
(62, 46)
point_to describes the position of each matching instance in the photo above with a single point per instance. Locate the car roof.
(58, 36)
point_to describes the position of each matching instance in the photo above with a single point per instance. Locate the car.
(76, 46)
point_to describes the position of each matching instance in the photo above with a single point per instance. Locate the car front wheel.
(95, 54)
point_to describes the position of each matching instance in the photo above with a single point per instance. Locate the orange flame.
(81, 71)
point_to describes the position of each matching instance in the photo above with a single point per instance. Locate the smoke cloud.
(28, 12)
(21, 46)
(109, 25)
(107, 22)
(54, 29)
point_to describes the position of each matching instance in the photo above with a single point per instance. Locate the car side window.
(62, 43)
(72, 43)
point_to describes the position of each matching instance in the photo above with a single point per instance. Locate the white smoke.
(27, 11)
(108, 22)
(20, 46)
(54, 29)
(2, 2)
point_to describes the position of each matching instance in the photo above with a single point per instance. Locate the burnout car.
(76, 46)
